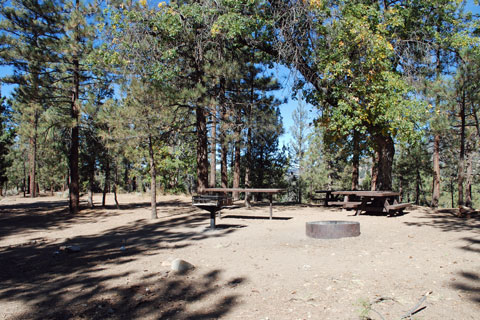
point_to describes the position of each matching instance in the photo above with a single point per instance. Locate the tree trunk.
(469, 178)
(236, 158)
(32, 157)
(33, 138)
(461, 160)
(436, 139)
(436, 171)
(202, 150)
(386, 151)
(153, 180)
(223, 150)
(248, 156)
(107, 181)
(91, 181)
(74, 188)
(24, 178)
(213, 149)
(355, 161)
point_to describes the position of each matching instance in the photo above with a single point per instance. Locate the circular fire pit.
(332, 229)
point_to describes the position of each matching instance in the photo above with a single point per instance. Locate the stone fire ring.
(332, 229)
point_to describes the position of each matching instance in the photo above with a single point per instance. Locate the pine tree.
(30, 30)
(299, 144)
(6, 140)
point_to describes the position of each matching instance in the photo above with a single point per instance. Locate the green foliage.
(268, 164)
(370, 96)
(411, 168)
(373, 70)
(6, 139)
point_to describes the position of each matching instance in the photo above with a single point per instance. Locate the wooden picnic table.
(270, 192)
(329, 199)
(372, 201)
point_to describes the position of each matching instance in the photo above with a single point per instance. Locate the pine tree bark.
(202, 149)
(32, 157)
(24, 187)
(213, 149)
(248, 154)
(436, 171)
(236, 156)
(461, 160)
(74, 188)
(153, 180)
(33, 138)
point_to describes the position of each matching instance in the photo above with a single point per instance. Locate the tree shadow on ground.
(55, 283)
(166, 296)
(469, 282)
(41, 215)
(446, 221)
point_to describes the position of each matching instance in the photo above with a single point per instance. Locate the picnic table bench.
(372, 201)
(329, 199)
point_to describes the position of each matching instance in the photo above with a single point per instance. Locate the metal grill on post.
(210, 203)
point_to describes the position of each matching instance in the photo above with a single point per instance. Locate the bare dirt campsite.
(110, 263)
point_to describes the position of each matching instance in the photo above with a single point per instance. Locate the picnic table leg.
(345, 199)
(247, 200)
(362, 206)
(327, 196)
(212, 220)
(270, 196)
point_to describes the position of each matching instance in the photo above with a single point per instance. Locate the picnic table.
(269, 192)
(372, 201)
(329, 198)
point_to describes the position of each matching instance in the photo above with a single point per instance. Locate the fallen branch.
(415, 308)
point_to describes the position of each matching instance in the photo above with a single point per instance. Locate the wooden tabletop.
(243, 190)
(368, 193)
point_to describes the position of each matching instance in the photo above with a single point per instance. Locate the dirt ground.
(249, 268)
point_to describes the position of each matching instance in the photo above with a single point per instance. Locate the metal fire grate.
(212, 204)
(332, 229)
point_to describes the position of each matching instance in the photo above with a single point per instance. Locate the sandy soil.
(249, 268)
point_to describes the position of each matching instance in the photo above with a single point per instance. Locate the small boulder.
(181, 266)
